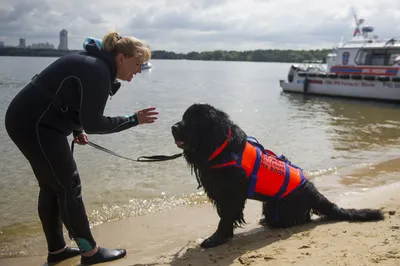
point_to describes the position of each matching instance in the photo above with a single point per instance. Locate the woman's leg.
(49, 154)
(49, 214)
(57, 167)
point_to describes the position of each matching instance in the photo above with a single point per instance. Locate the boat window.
(391, 55)
(363, 57)
(376, 57)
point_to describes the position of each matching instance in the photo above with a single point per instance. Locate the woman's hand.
(146, 116)
(81, 139)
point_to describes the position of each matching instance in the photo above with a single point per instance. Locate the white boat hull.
(377, 90)
(366, 67)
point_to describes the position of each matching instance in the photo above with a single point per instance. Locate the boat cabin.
(366, 54)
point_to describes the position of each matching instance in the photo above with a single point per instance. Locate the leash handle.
(154, 158)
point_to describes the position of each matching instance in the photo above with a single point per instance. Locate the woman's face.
(127, 68)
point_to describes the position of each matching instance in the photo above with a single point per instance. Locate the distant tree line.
(16, 51)
(255, 55)
(218, 55)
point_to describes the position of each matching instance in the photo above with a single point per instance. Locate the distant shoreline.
(282, 56)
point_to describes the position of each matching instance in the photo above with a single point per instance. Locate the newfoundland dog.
(233, 167)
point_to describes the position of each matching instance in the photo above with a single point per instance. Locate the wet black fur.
(203, 129)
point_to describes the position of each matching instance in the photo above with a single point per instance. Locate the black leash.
(154, 158)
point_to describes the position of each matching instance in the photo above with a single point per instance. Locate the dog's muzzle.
(175, 129)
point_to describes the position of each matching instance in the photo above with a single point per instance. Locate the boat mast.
(357, 31)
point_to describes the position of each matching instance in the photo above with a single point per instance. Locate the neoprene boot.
(103, 255)
(66, 254)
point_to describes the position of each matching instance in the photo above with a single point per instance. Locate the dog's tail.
(323, 207)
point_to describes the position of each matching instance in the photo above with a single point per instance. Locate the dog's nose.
(174, 128)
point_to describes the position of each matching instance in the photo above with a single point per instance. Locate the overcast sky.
(197, 25)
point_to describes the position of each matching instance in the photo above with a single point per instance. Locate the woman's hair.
(128, 46)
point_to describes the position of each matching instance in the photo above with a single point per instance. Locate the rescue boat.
(364, 67)
(146, 65)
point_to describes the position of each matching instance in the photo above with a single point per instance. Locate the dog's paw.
(215, 240)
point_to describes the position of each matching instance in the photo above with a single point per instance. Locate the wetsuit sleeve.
(95, 89)
(76, 132)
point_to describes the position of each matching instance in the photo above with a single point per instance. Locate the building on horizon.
(22, 43)
(63, 40)
(1, 44)
(42, 46)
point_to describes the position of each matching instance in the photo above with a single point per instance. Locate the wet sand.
(172, 237)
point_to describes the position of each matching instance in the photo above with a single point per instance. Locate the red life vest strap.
(233, 162)
(222, 147)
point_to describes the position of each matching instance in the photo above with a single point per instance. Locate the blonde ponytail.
(128, 46)
(110, 41)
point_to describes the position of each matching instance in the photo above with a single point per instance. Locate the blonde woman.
(69, 96)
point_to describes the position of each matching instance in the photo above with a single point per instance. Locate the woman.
(69, 96)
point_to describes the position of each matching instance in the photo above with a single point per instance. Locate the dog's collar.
(222, 147)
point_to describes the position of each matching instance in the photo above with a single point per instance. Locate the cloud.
(201, 25)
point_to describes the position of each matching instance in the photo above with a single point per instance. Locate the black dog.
(232, 168)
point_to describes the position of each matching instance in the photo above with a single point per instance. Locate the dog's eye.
(188, 122)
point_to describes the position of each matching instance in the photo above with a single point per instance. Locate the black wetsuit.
(83, 82)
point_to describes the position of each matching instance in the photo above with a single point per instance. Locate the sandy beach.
(172, 237)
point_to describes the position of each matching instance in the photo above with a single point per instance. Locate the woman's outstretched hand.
(146, 116)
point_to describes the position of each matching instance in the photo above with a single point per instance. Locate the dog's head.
(202, 129)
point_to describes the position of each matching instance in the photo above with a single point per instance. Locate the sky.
(198, 25)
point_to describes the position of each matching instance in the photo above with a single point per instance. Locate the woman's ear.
(119, 59)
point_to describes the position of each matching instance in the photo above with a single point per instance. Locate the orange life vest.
(269, 175)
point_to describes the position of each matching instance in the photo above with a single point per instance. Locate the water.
(344, 145)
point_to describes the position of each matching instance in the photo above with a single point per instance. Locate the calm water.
(331, 138)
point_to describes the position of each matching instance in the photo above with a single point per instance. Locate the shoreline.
(343, 180)
(171, 238)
